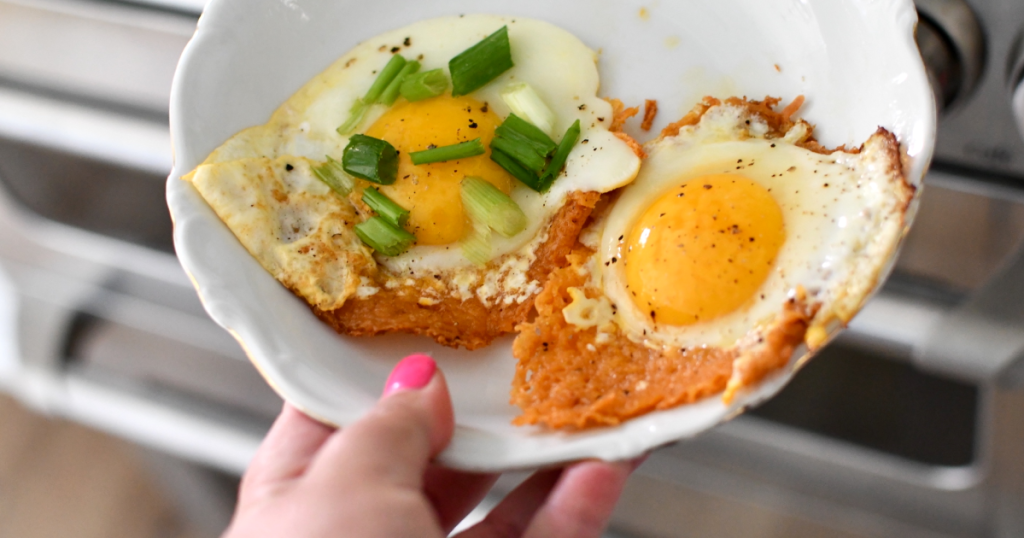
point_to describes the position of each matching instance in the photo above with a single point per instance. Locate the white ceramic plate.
(855, 60)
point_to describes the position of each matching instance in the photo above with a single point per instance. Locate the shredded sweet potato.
(791, 108)
(566, 379)
(772, 350)
(779, 123)
(691, 118)
(620, 114)
(451, 321)
(650, 111)
(637, 148)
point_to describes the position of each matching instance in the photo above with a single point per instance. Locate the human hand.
(375, 478)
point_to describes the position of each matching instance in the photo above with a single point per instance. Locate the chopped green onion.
(388, 210)
(486, 204)
(371, 159)
(355, 115)
(391, 92)
(476, 246)
(523, 132)
(360, 106)
(522, 153)
(524, 101)
(562, 153)
(333, 174)
(481, 63)
(390, 71)
(383, 237)
(424, 85)
(517, 170)
(522, 149)
(470, 148)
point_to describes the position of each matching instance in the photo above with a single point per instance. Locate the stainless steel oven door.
(911, 425)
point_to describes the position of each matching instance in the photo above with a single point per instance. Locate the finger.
(582, 502)
(454, 494)
(393, 443)
(512, 515)
(285, 453)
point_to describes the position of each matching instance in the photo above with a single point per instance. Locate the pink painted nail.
(413, 372)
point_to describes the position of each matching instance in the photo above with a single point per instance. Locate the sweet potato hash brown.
(596, 355)
(453, 321)
(395, 193)
(567, 378)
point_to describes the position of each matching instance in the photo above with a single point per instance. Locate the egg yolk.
(432, 192)
(702, 249)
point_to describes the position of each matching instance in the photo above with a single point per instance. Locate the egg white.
(843, 216)
(561, 69)
(555, 63)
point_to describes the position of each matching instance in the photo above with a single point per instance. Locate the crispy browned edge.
(779, 123)
(759, 363)
(452, 321)
(566, 379)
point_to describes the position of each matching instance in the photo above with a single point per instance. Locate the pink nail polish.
(413, 372)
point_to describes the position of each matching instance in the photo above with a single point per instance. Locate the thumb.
(395, 441)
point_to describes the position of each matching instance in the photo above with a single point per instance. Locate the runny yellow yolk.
(432, 192)
(703, 249)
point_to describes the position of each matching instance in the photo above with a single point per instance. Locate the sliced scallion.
(371, 159)
(521, 131)
(525, 102)
(522, 153)
(333, 174)
(355, 115)
(521, 148)
(390, 71)
(424, 85)
(517, 170)
(481, 63)
(476, 246)
(486, 204)
(562, 153)
(391, 92)
(360, 106)
(383, 237)
(470, 148)
(385, 207)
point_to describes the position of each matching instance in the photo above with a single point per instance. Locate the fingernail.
(413, 372)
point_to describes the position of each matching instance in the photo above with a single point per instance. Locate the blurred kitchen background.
(124, 411)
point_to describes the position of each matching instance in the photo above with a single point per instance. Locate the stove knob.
(953, 48)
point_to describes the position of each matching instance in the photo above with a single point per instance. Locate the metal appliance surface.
(910, 425)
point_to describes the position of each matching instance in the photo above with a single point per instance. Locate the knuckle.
(395, 424)
(403, 421)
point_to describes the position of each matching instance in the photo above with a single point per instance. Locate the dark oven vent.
(101, 197)
(887, 405)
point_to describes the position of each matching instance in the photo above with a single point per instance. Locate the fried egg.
(434, 273)
(740, 240)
